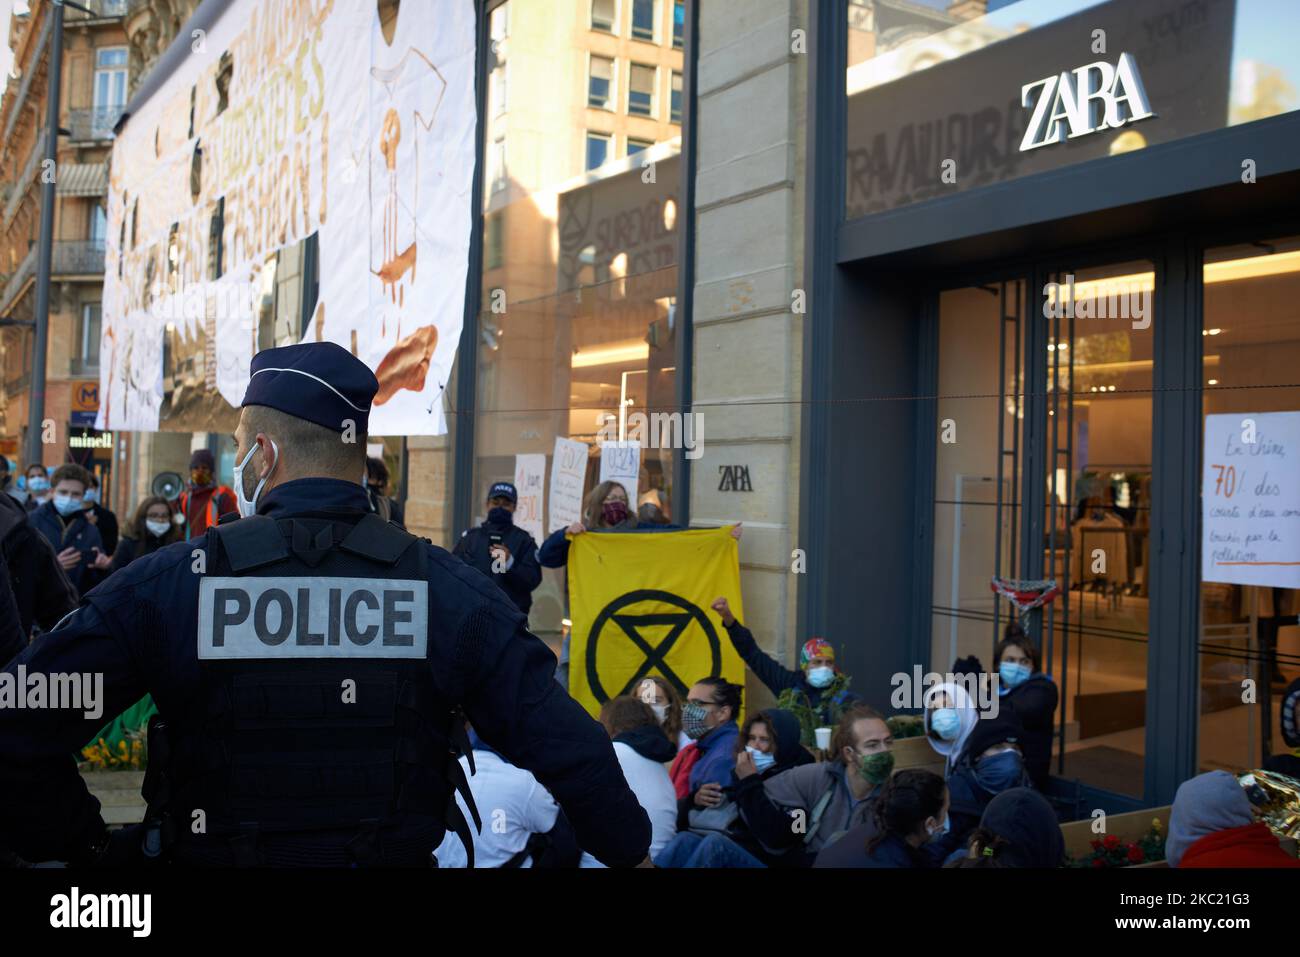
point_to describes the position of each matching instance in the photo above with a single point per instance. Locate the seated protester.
(768, 745)
(642, 749)
(911, 812)
(990, 763)
(702, 768)
(1018, 829)
(667, 706)
(62, 520)
(1023, 687)
(522, 824)
(950, 716)
(1212, 824)
(1288, 764)
(818, 681)
(829, 797)
(502, 550)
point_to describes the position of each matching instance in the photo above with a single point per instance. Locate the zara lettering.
(1084, 100)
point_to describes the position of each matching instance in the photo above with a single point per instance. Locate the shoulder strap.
(377, 540)
(251, 542)
(819, 809)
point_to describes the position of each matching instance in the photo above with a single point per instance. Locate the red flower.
(1096, 845)
(1098, 862)
(1111, 842)
(1135, 855)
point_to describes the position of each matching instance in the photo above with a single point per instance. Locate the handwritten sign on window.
(1250, 497)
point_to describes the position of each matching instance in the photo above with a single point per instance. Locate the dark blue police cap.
(504, 490)
(318, 381)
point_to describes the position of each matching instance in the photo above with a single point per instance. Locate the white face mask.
(157, 528)
(661, 712)
(247, 506)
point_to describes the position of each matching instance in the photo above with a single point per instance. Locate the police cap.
(320, 382)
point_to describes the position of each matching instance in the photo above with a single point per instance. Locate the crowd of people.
(810, 782)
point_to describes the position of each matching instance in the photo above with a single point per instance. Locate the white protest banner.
(1250, 495)
(530, 476)
(568, 473)
(287, 121)
(621, 462)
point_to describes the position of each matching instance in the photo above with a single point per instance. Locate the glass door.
(1098, 455)
(1250, 582)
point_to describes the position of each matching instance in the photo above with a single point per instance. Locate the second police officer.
(312, 666)
(501, 549)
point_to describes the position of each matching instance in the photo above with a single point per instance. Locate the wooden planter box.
(1127, 827)
(120, 800)
(917, 754)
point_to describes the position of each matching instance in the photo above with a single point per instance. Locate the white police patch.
(313, 618)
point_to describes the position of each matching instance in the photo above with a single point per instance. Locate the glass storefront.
(1249, 633)
(951, 95)
(577, 327)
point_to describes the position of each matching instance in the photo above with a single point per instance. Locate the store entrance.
(1045, 400)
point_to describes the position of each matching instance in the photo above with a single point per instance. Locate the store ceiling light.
(629, 350)
(1252, 267)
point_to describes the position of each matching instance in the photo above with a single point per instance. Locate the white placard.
(568, 473)
(530, 479)
(1250, 494)
(621, 462)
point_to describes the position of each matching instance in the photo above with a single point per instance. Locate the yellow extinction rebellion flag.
(639, 603)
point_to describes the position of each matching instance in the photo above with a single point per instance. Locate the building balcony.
(78, 258)
(88, 126)
(99, 10)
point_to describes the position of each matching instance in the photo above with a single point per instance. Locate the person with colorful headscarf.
(825, 687)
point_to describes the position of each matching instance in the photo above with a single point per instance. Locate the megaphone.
(168, 484)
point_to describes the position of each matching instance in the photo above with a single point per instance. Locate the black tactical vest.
(322, 739)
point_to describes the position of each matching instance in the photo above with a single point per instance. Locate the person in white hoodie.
(950, 717)
(642, 748)
(521, 821)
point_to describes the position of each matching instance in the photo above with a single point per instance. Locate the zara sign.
(1085, 100)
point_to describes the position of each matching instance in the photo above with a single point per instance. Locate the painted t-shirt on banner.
(327, 123)
(568, 474)
(621, 462)
(530, 476)
(1250, 494)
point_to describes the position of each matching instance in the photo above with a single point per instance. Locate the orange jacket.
(210, 504)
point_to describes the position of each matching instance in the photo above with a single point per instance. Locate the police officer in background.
(312, 666)
(502, 550)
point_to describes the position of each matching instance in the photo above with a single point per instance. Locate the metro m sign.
(1086, 99)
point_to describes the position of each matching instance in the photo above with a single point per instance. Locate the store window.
(600, 83)
(1093, 457)
(1250, 595)
(641, 90)
(977, 82)
(579, 275)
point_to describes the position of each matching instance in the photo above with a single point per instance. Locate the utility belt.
(375, 842)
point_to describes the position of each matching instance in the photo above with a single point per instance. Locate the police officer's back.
(309, 663)
(501, 549)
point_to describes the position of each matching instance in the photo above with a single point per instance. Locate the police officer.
(502, 550)
(313, 667)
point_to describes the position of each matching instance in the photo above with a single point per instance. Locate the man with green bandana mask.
(825, 799)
